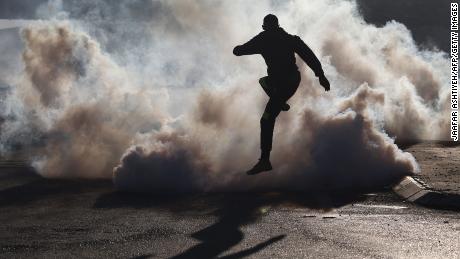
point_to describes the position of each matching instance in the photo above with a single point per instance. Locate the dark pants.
(279, 89)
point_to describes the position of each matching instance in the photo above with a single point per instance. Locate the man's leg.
(267, 126)
(267, 122)
(271, 91)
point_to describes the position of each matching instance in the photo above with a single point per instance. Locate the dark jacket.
(277, 48)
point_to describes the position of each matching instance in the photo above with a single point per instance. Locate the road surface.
(44, 218)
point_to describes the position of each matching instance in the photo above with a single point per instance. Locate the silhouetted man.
(277, 48)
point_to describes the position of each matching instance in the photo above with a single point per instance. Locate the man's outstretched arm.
(249, 48)
(312, 61)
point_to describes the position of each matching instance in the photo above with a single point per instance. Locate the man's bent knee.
(263, 82)
(267, 117)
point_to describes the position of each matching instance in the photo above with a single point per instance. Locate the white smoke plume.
(160, 103)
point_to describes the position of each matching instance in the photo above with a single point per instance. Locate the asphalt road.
(44, 218)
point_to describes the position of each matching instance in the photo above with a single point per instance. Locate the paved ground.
(439, 164)
(61, 219)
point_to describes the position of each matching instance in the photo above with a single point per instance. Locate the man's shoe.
(261, 166)
(285, 107)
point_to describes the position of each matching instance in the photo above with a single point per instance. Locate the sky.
(428, 20)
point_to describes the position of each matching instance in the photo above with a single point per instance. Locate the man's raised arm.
(249, 48)
(312, 61)
(308, 56)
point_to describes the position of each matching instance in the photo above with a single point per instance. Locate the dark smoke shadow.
(8, 173)
(448, 144)
(32, 187)
(405, 144)
(440, 201)
(174, 202)
(233, 210)
(143, 256)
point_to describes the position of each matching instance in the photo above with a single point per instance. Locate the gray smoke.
(162, 100)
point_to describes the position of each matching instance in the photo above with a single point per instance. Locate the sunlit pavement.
(62, 218)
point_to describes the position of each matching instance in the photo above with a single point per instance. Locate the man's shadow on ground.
(233, 210)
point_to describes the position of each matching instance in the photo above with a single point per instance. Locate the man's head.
(270, 22)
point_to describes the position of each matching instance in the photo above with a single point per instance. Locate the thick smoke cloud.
(163, 102)
(76, 103)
